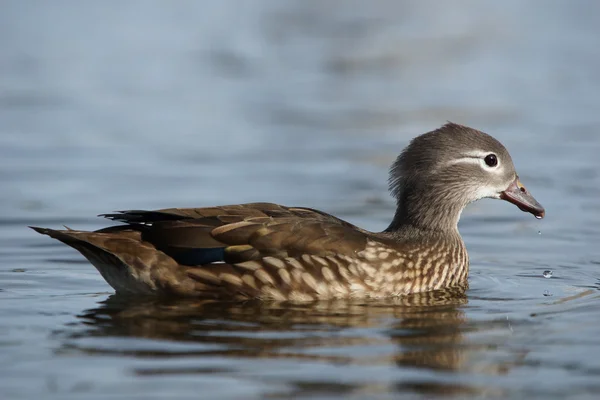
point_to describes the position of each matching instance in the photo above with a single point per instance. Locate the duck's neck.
(431, 212)
(429, 223)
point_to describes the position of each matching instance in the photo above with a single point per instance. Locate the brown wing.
(237, 233)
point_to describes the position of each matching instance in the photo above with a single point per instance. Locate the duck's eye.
(491, 160)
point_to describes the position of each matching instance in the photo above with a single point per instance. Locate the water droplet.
(547, 293)
(547, 274)
(539, 232)
(539, 217)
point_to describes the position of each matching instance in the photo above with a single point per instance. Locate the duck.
(266, 251)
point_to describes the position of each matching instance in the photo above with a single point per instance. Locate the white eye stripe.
(465, 160)
(478, 153)
(477, 158)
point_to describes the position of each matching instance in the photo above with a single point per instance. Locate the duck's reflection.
(425, 331)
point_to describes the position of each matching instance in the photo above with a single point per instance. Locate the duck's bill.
(517, 194)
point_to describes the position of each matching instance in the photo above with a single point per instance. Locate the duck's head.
(442, 171)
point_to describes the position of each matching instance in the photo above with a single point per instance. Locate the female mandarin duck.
(268, 251)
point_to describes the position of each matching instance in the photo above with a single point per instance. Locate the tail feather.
(126, 263)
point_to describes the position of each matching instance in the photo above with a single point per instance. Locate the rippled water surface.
(119, 105)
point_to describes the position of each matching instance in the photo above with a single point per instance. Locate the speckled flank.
(375, 272)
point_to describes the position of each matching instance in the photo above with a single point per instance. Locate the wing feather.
(244, 232)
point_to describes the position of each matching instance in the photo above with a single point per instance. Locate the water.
(120, 105)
